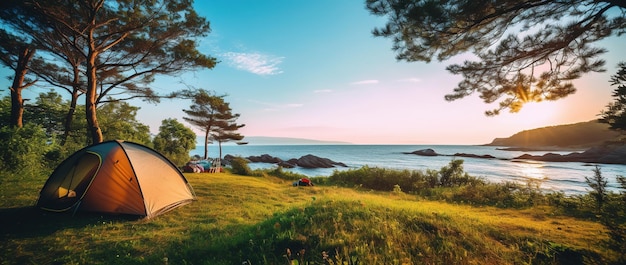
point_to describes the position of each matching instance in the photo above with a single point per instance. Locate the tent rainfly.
(116, 177)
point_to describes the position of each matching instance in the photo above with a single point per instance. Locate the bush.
(411, 181)
(381, 179)
(239, 166)
(450, 183)
(492, 194)
(58, 153)
(280, 173)
(599, 192)
(22, 150)
(610, 209)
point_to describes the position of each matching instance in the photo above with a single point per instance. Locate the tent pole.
(76, 208)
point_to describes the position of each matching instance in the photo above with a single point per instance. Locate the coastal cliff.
(601, 144)
(582, 135)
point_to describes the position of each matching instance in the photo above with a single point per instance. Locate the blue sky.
(312, 69)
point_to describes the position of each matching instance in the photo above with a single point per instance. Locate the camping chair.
(216, 166)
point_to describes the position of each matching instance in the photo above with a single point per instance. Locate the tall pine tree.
(215, 118)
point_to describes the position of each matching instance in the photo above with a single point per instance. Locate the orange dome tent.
(116, 177)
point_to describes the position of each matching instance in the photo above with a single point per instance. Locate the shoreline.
(542, 149)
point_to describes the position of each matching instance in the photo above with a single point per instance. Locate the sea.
(566, 177)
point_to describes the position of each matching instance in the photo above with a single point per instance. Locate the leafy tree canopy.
(527, 50)
(5, 110)
(119, 121)
(110, 50)
(175, 141)
(48, 110)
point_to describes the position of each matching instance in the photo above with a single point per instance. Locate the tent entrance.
(69, 183)
(78, 178)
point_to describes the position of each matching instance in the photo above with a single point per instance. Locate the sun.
(537, 114)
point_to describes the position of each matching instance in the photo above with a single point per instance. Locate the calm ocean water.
(568, 177)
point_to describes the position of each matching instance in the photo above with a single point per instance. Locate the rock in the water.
(424, 152)
(286, 164)
(473, 155)
(307, 161)
(265, 158)
(227, 160)
(608, 154)
(311, 161)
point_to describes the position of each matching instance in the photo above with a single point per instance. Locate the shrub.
(598, 184)
(492, 194)
(239, 166)
(610, 207)
(280, 173)
(22, 150)
(411, 181)
(57, 153)
(450, 183)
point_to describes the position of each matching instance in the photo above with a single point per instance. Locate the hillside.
(577, 135)
(254, 220)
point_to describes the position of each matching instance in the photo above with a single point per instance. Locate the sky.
(313, 69)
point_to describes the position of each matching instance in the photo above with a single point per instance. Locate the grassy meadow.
(265, 220)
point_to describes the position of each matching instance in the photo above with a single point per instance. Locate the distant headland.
(600, 144)
(595, 141)
(576, 136)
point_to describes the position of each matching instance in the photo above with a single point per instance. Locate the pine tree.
(205, 113)
(226, 128)
(527, 51)
(615, 113)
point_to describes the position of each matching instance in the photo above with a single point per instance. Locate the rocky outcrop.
(605, 154)
(264, 158)
(286, 164)
(311, 161)
(473, 155)
(424, 152)
(431, 152)
(227, 160)
(307, 161)
(601, 154)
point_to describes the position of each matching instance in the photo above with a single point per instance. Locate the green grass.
(256, 219)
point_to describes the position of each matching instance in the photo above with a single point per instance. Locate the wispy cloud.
(323, 91)
(276, 107)
(365, 82)
(410, 80)
(256, 63)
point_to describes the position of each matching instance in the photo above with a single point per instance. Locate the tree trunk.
(220, 144)
(17, 102)
(206, 144)
(69, 117)
(90, 96)
(92, 119)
